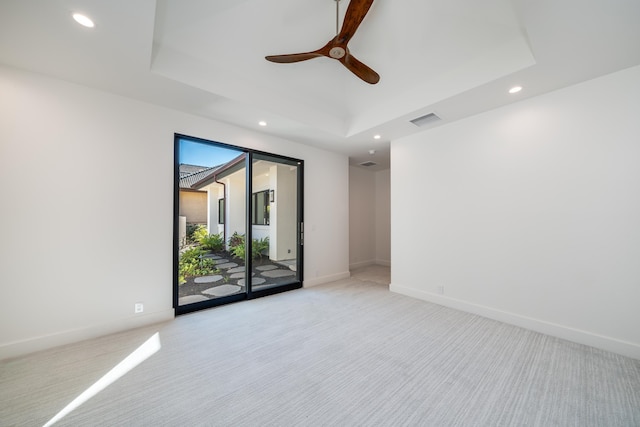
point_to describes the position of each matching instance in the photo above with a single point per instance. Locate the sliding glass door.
(238, 224)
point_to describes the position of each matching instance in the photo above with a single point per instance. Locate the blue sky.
(201, 154)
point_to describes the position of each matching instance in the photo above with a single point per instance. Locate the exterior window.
(220, 211)
(260, 214)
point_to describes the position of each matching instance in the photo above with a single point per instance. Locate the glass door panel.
(211, 217)
(275, 223)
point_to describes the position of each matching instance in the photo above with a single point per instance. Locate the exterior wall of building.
(193, 206)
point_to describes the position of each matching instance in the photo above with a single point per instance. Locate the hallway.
(373, 273)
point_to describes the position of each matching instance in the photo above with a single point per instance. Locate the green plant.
(213, 242)
(191, 227)
(257, 248)
(238, 250)
(192, 264)
(199, 232)
(235, 240)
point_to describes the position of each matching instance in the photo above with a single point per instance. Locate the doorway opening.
(238, 228)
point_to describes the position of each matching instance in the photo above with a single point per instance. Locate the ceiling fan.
(337, 47)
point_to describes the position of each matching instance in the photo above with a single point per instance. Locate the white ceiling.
(206, 57)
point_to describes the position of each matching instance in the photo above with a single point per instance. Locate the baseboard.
(361, 264)
(22, 347)
(613, 345)
(325, 279)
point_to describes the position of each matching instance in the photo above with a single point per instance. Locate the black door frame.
(249, 293)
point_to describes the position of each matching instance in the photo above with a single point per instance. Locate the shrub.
(236, 245)
(213, 242)
(257, 249)
(260, 247)
(238, 250)
(199, 232)
(192, 264)
(235, 240)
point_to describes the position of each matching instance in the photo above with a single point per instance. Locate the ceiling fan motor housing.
(337, 52)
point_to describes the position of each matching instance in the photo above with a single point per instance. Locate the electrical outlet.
(138, 307)
(440, 289)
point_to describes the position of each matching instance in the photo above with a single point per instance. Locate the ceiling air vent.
(368, 163)
(425, 120)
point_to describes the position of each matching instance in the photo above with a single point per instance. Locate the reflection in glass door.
(228, 226)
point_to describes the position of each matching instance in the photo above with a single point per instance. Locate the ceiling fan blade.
(359, 69)
(356, 12)
(293, 57)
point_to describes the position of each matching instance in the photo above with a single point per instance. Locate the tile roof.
(190, 174)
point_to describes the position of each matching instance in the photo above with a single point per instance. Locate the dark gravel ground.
(192, 288)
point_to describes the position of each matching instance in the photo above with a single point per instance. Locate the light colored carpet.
(342, 354)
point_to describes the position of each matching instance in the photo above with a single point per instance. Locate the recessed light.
(515, 89)
(262, 123)
(376, 136)
(83, 20)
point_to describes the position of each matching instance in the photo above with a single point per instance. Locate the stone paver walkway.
(237, 275)
(223, 290)
(278, 273)
(208, 279)
(266, 267)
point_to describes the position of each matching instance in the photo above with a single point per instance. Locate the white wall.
(78, 168)
(283, 230)
(215, 192)
(383, 217)
(362, 239)
(236, 203)
(529, 214)
(369, 222)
